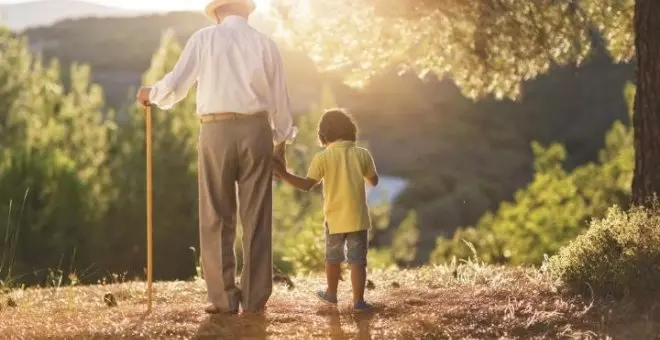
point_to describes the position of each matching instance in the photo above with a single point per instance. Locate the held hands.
(279, 152)
(279, 169)
(279, 160)
(142, 96)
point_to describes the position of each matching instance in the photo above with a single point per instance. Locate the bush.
(618, 255)
(406, 238)
(33, 185)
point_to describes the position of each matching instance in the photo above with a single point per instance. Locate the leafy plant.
(618, 255)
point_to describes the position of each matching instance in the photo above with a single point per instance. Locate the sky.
(158, 5)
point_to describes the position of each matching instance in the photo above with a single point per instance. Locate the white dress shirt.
(237, 69)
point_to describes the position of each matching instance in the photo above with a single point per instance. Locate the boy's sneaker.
(361, 306)
(327, 298)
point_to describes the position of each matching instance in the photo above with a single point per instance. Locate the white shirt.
(237, 68)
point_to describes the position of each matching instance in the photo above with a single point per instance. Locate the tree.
(14, 73)
(646, 182)
(554, 208)
(175, 183)
(54, 148)
(490, 47)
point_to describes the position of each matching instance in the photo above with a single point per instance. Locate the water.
(387, 190)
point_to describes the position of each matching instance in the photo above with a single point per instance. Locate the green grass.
(465, 301)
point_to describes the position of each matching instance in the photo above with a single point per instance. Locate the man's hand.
(279, 153)
(142, 96)
(279, 170)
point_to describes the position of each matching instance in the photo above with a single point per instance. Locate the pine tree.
(52, 161)
(14, 72)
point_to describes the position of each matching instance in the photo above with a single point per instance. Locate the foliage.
(47, 231)
(488, 47)
(298, 220)
(380, 258)
(461, 157)
(404, 243)
(618, 255)
(174, 142)
(54, 148)
(297, 216)
(15, 68)
(553, 208)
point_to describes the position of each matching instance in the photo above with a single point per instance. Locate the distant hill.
(460, 157)
(20, 16)
(120, 49)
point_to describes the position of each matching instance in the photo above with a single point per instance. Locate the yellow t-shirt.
(342, 167)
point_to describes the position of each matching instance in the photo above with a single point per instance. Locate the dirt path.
(475, 302)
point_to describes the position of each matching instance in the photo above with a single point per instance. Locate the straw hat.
(213, 5)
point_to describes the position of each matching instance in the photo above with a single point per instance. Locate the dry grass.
(469, 301)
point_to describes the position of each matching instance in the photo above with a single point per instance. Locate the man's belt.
(231, 116)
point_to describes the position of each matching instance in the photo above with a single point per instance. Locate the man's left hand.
(279, 153)
(142, 96)
(279, 169)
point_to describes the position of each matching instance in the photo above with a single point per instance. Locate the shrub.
(380, 259)
(44, 230)
(406, 238)
(618, 255)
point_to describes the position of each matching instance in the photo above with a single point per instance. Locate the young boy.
(343, 167)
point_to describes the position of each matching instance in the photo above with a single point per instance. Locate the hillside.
(469, 301)
(20, 16)
(120, 50)
(462, 157)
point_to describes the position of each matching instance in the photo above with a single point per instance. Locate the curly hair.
(336, 125)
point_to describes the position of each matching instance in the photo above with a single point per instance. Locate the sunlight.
(263, 5)
(171, 5)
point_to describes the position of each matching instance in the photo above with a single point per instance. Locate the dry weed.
(467, 301)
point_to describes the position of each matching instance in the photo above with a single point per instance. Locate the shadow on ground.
(255, 326)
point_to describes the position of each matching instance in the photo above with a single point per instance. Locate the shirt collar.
(341, 143)
(232, 19)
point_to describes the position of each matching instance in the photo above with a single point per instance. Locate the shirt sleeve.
(316, 169)
(280, 106)
(368, 165)
(175, 85)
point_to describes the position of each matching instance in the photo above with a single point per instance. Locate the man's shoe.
(260, 311)
(213, 309)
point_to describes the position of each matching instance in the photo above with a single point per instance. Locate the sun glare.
(263, 5)
(172, 5)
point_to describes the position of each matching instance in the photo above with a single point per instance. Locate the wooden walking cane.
(147, 110)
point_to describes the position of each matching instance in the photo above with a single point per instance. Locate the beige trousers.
(236, 154)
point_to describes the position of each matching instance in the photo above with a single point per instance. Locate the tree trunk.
(646, 182)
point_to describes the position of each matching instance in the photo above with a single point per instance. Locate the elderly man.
(243, 106)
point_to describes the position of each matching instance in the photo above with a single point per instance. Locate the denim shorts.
(349, 247)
